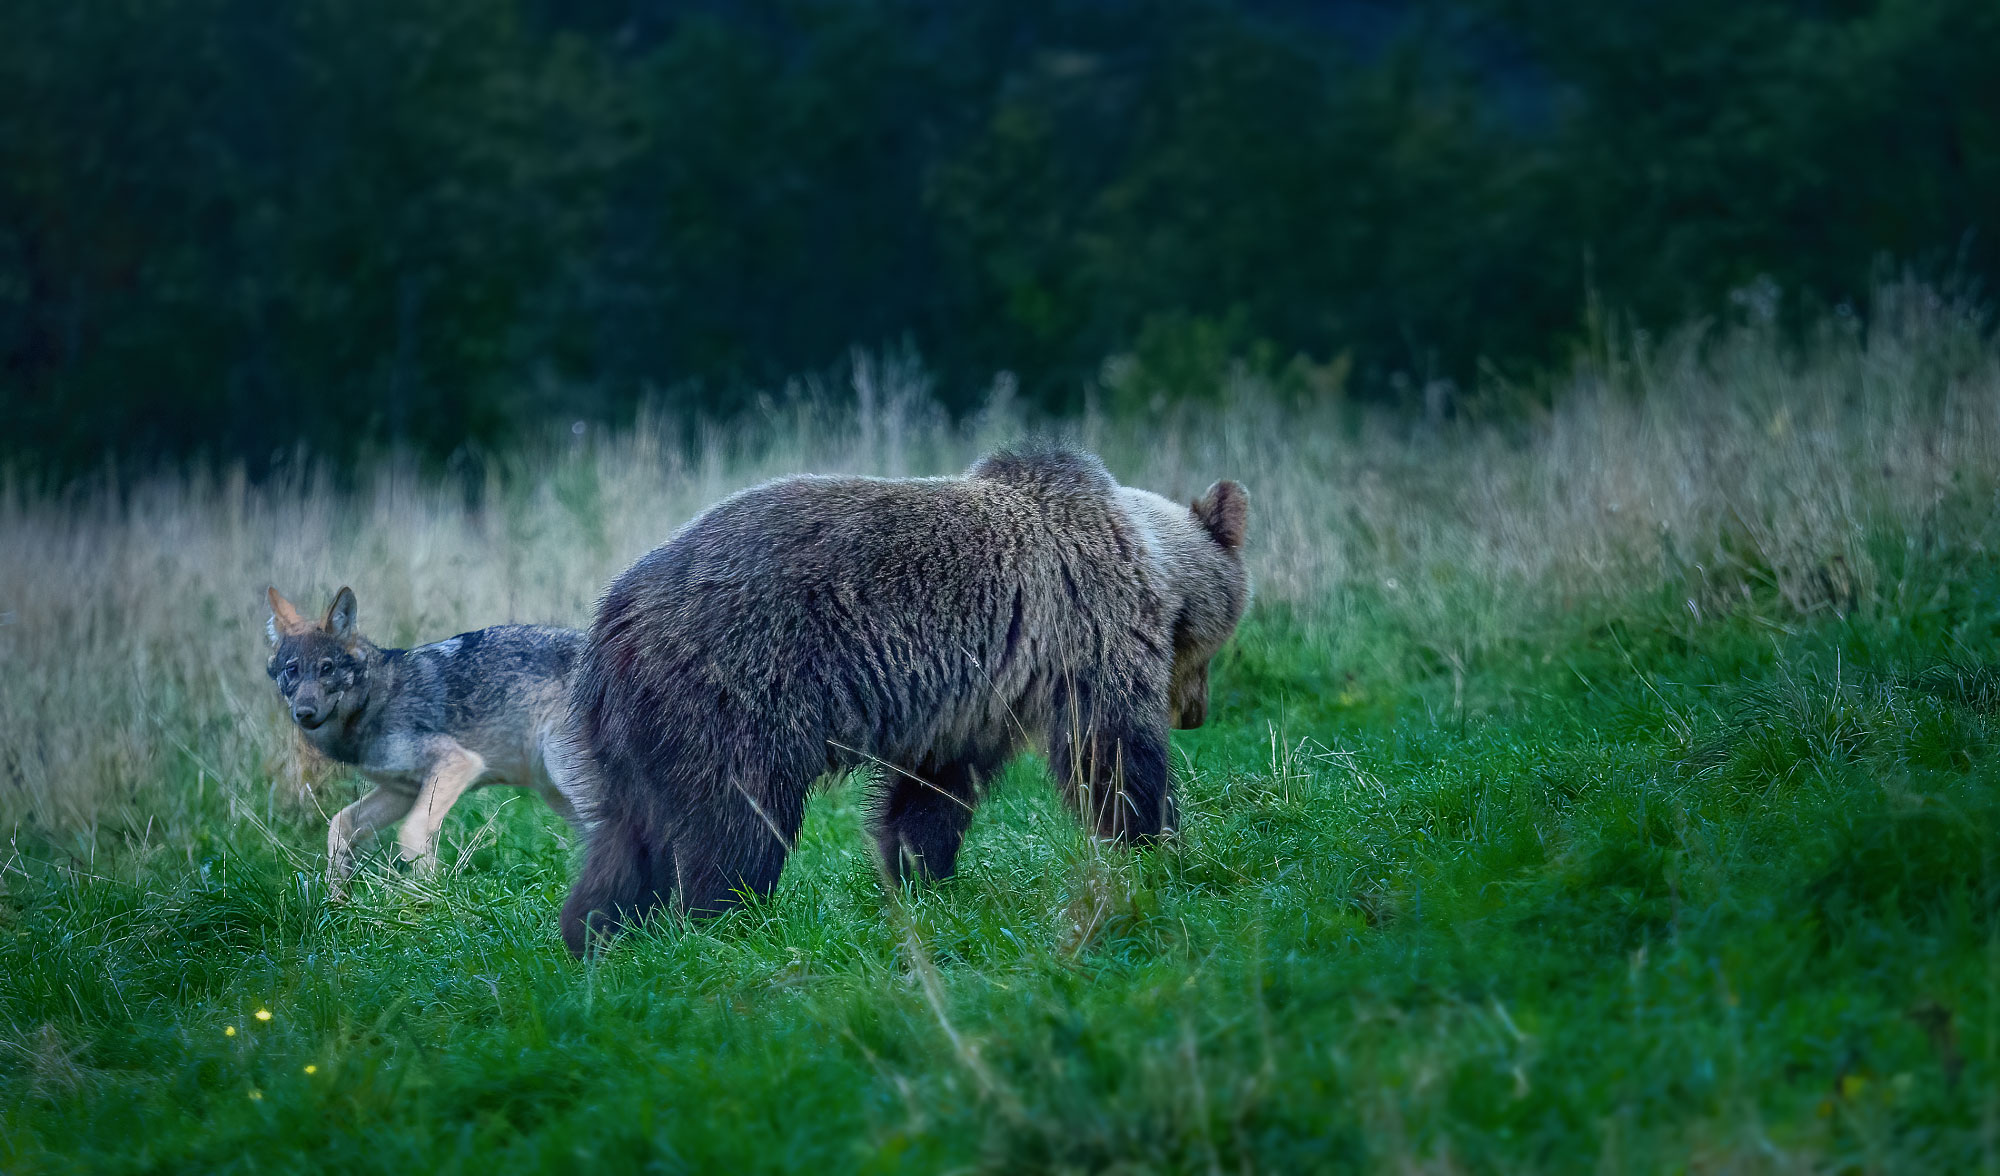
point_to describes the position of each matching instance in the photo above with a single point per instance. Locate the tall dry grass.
(1722, 462)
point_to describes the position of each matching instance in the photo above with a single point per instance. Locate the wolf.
(424, 725)
(927, 628)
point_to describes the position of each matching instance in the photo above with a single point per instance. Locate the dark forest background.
(228, 226)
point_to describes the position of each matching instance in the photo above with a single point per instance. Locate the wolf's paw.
(417, 867)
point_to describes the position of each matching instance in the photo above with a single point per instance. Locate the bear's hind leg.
(1112, 766)
(628, 873)
(921, 817)
(741, 850)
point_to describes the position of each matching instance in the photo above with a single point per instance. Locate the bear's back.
(885, 607)
(899, 541)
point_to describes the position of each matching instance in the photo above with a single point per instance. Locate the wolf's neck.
(385, 677)
(350, 742)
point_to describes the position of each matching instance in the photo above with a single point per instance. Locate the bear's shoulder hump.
(1053, 468)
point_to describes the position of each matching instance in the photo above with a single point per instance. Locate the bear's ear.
(1225, 512)
(340, 618)
(284, 618)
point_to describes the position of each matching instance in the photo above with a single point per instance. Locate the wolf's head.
(321, 669)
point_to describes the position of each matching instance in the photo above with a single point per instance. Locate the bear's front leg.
(1111, 762)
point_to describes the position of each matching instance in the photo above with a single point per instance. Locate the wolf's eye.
(325, 666)
(288, 675)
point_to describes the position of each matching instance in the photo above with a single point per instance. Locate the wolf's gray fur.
(424, 725)
(929, 627)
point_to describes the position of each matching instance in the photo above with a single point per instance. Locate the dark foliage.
(226, 227)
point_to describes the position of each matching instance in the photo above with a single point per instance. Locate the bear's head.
(1199, 549)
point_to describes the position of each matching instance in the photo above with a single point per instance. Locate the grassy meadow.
(1612, 789)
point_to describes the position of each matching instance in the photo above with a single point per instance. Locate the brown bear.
(928, 627)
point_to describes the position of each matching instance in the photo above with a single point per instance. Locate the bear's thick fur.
(930, 627)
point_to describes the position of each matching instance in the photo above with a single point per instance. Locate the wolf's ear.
(340, 618)
(284, 618)
(1225, 513)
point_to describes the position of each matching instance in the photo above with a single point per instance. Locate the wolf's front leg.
(351, 824)
(451, 773)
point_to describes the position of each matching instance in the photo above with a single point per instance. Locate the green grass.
(1629, 891)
